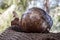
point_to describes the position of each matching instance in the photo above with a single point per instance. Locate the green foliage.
(58, 18)
(55, 13)
(21, 6)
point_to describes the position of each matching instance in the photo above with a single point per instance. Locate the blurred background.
(52, 7)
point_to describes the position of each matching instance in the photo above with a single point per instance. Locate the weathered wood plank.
(10, 34)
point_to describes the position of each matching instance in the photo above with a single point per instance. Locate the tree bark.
(46, 5)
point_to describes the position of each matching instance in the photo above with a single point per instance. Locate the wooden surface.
(10, 34)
